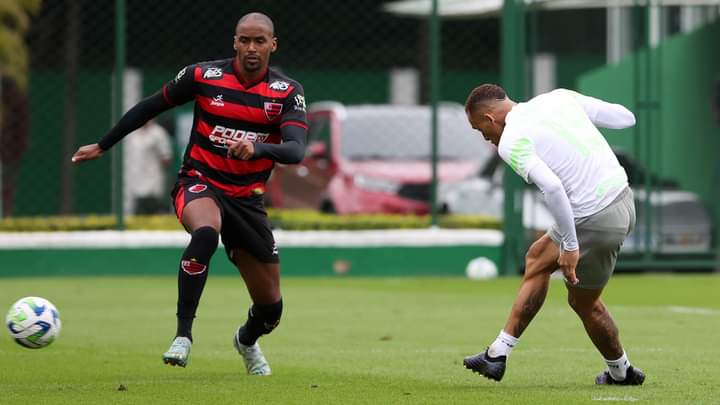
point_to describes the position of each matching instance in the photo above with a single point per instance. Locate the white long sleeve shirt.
(552, 141)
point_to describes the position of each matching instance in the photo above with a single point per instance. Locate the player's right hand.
(568, 261)
(87, 152)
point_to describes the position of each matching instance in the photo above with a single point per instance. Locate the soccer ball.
(481, 268)
(33, 322)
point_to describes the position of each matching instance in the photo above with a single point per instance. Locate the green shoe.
(178, 353)
(255, 363)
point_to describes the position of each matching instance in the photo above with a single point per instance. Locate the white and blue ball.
(33, 322)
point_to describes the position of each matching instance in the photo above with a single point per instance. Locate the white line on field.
(623, 399)
(694, 310)
(637, 309)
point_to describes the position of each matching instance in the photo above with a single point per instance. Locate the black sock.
(192, 276)
(262, 319)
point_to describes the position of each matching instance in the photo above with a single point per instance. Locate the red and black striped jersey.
(227, 108)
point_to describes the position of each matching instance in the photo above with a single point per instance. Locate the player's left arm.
(604, 114)
(293, 131)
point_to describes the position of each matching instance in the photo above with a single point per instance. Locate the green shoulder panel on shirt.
(520, 154)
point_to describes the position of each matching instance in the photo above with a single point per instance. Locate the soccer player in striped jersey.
(552, 141)
(247, 117)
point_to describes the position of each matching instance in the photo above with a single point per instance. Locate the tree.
(14, 54)
(14, 110)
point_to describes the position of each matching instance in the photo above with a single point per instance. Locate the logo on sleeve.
(272, 110)
(180, 74)
(197, 188)
(213, 73)
(279, 85)
(299, 103)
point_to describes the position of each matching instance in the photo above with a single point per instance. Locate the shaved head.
(257, 17)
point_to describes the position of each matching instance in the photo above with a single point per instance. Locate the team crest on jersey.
(197, 188)
(279, 85)
(213, 73)
(272, 110)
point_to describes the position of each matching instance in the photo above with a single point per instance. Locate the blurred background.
(385, 82)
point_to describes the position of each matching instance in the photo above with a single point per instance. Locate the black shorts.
(245, 223)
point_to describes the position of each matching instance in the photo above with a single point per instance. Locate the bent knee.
(206, 234)
(541, 257)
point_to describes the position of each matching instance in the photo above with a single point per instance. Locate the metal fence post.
(117, 155)
(434, 94)
(513, 76)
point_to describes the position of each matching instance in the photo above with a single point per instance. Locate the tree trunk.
(71, 62)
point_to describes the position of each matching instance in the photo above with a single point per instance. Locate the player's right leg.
(540, 262)
(200, 214)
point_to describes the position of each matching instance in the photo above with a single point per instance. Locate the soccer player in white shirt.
(552, 141)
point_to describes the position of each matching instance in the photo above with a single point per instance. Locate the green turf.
(360, 340)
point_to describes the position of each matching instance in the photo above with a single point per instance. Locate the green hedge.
(298, 220)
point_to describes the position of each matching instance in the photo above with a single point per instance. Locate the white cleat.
(178, 353)
(255, 362)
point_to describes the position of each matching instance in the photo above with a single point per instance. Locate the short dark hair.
(484, 94)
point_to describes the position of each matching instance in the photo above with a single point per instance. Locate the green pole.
(434, 95)
(647, 133)
(513, 77)
(117, 160)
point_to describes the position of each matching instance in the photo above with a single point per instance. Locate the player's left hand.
(568, 261)
(241, 149)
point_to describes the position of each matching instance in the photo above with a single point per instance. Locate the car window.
(319, 129)
(404, 134)
(636, 173)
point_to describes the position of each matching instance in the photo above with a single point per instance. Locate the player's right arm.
(178, 91)
(518, 151)
(604, 114)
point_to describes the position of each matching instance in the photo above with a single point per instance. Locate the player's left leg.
(263, 284)
(604, 334)
(601, 236)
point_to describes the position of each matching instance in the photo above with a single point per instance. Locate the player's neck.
(248, 78)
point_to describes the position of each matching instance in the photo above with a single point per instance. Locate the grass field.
(360, 340)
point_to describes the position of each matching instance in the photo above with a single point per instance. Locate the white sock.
(503, 345)
(618, 368)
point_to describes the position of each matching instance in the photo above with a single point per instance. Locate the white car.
(680, 224)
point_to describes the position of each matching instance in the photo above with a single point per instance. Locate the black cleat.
(490, 367)
(634, 377)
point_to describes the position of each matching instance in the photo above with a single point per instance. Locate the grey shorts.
(600, 236)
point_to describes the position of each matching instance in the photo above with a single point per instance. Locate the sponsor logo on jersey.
(213, 73)
(192, 267)
(279, 85)
(272, 110)
(299, 103)
(220, 135)
(275, 249)
(180, 74)
(217, 101)
(197, 188)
